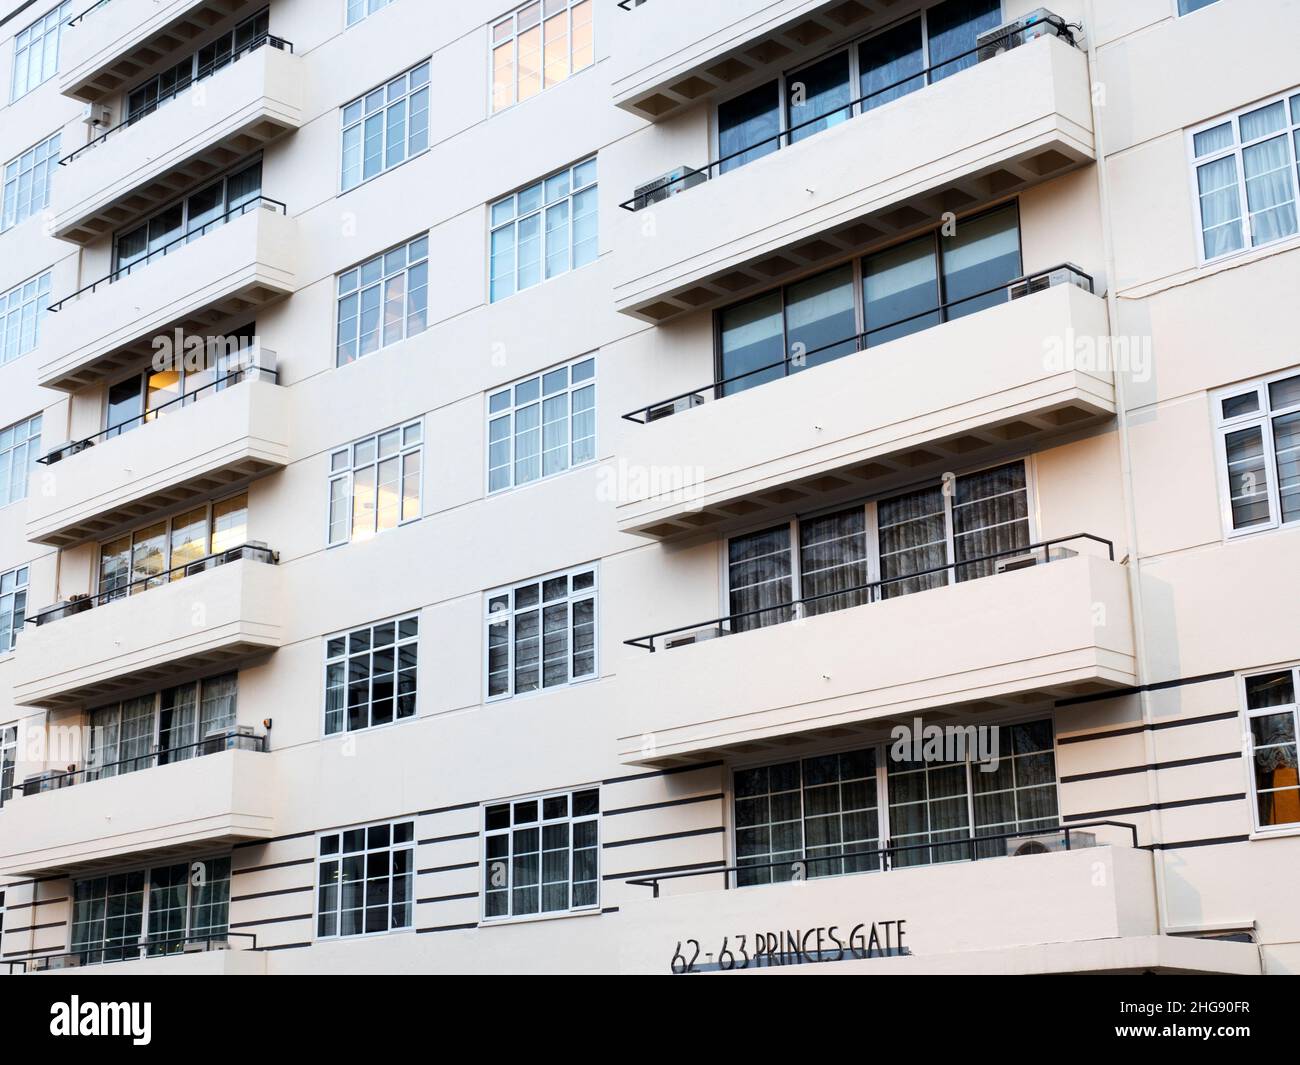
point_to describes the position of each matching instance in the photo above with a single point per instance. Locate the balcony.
(983, 134)
(138, 165)
(236, 955)
(1027, 635)
(209, 442)
(211, 615)
(958, 393)
(232, 266)
(158, 813)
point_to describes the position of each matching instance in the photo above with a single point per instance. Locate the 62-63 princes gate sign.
(763, 950)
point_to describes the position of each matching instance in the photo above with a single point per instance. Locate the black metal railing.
(1028, 283)
(73, 447)
(264, 202)
(628, 5)
(78, 17)
(884, 857)
(785, 137)
(119, 952)
(865, 594)
(205, 71)
(78, 605)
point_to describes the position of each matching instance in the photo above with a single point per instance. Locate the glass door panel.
(900, 291)
(749, 127)
(890, 64)
(818, 97)
(759, 579)
(983, 254)
(821, 320)
(753, 343)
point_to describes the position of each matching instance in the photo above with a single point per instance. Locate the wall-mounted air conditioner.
(1048, 843)
(1038, 23)
(1039, 282)
(226, 739)
(685, 639)
(50, 780)
(97, 115)
(669, 184)
(676, 406)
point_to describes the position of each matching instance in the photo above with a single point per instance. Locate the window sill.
(495, 700)
(538, 918)
(387, 170)
(1281, 832)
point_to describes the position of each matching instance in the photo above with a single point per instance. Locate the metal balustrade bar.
(147, 948)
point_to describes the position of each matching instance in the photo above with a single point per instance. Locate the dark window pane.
(745, 122)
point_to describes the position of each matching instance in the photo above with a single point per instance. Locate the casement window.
(1259, 453)
(370, 675)
(1186, 7)
(832, 556)
(174, 725)
(541, 633)
(359, 9)
(541, 854)
(27, 182)
(382, 301)
(1246, 177)
(21, 310)
(165, 551)
(8, 761)
(537, 46)
(542, 426)
(375, 484)
(36, 50)
(544, 230)
(187, 220)
(815, 97)
(386, 127)
(889, 294)
(13, 607)
(20, 446)
(365, 880)
(151, 912)
(1272, 718)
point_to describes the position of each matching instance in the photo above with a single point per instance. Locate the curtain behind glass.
(983, 254)
(990, 515)
(913, 538)
(833, 556)
(752, 338)
(748, 126)
(821, 320)
(927, 805)
(137, 735)
(886, 62)
(101, 759)
(900, 290)
(177, 718)
(953, 27)
(1270, 189)
(759, 577)
(819, 96)
(1220, 207)
(217, 709)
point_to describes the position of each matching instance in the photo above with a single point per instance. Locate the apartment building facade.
(519, 488)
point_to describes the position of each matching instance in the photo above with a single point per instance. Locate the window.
(544, 230)
(27, 182)
(1246, 174)
(370, 675)
(1271, 714)
(375, 484)
(1186, 7)
(883, 296)
(8, 761)
(386, 126)
(359, 9)
(382, 301)
(365, 880)
(537, 46)
(541, 634)
(164, 551)
(1259, 452)
(542, 426)
(150, 912)
(20, 445)
(21, 311)
(36, 51)
(541, 854)
(13, 607)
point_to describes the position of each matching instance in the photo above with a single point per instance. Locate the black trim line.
(271, 894)
(31, 905)
(274, 865)
(1197, 843)
(1155, 726)
(446, 839)
(446, 868)
(1160, 685)
(1179, 763)
(283, 946)
(446, 928)
(1180, 804)
(719, 864)
(662, 772)
(274, 920)
(660, 839)
(273, 839)
(447, 898)
(664, 805)
(448, 809)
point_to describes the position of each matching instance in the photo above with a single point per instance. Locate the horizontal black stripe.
(1178, 805)
(448, 809)
(35, 902)
(283, 946)
(1155, 726)
(446, 868)
(274, 839)
(1198, 843)
(446, 928)
(447, 839)
(662, 772)
(719, 864)
(1129, 770)
(272, 894)
(273, 920)
(273, 865)
(36, 927)
(664, 805)
(448, 898)
(37, 950)
(1162, 685)
(610, 909)
(663, 838)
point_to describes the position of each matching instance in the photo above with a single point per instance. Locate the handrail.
(235, 377)
(205, 71)
(77, 18)
(185, 238)
(37, 963)
(642, 414)
(254, 552)
(884, 853)
(694, 174)
(795, 606)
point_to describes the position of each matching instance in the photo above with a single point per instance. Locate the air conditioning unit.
(676, 406)
(63, 451)
(1048, 843)
(64, 961)
(669, 184)
(1039, 282)
(226, 739)
(1038, 23)
(66, 608)
(1015, 562)
(685, 639)
(51, 780)
(97, 115)
(202, 946)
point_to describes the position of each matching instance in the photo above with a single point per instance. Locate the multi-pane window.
(13, 607)
(375, 484)
(21, 311)
(1272, 715)
(36, 50)
(1246, 177)
(365, 881)
(544, 230)
(27, 182)
(1186, 7)
(1259, 441)
(542, 426)
(541, 854)
(149, 912)
(382, 301)
(537, 46)
(370, 675)
(20, 445)
(542, 633)
(162, 728)
(8, 760)
(386, 126)
(359, 9)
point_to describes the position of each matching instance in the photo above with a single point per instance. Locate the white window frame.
(571, 820)
(1180, 13)
(1248, 744)
(511, 411)
(355, 11)
(17, 580)
(22, 309)
(36, 37)
(338, 856)
(42, 157)
(351, 282)
(379, 96)
(8, 762)
(345, 476)
(1262, 417)
(399, 641)
(31, 447)
(510, 36)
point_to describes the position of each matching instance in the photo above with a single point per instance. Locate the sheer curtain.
(1270, 188)
(759, 577)
(217, 710)
(101, 759)
(887, 60)
(913, 538)
(176, 720)
(833, 556)
(990, 515)
(1220, 207)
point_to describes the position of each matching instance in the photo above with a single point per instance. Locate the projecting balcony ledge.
(212, 125)
(1053, 630)
(976, 137)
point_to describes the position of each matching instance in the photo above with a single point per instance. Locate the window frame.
(9, 767)
(1263, 417)
(1180, 13)
(399, 641)
(50, 161)
(368, 8)
(337, 856)
(360, 123)
(31, 444)
(51, 22)
(39, 299)
(22, 577)
(512, 16)
(1248, 746)
(416, 254)
(348, 475)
